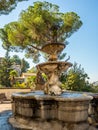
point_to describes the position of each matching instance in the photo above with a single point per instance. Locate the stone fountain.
(52, 108)
(53, 68)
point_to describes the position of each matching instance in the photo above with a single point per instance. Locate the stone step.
(6, 102)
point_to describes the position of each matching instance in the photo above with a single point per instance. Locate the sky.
(83, 44)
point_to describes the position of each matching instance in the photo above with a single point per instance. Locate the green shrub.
(19, 85)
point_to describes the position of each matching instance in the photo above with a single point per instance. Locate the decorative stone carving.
(53, 68)
(39, 110)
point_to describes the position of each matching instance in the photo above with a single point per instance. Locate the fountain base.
(24, 124)
(36, 110)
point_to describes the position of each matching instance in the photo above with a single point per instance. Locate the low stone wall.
(8, 91)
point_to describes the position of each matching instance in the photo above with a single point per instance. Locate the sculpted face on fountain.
(53, 68)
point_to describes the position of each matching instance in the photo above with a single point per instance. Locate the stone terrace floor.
(5, 113)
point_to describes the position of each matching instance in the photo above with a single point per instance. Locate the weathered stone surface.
(45, 112)
(46, 107)
(91, 119)
(73, 111)
(50, 125)
(80, 126)
(92, 128)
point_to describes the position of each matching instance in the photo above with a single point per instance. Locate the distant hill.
(95, 83)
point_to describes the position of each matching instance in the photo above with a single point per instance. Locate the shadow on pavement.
(4, 125)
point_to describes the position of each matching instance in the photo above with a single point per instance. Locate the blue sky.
(83, 44)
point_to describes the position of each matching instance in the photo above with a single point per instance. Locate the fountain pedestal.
(53, 68)
(53, 71)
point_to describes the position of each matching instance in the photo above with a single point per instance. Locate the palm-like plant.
(13, 74)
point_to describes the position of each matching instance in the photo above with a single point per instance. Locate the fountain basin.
(53, 48)
(68, 107)
(54, 66)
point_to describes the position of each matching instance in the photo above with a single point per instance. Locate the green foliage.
(4, 37)
(31, 82)
(6, 63)
(6, 6)
(24, 65)
(19, 85)
(44, 22)
(39, 24)
(1, 86)
(7, 72)
(12, 75)
(4, 72)
(95, 89)
(44, 76)
(15, 59)
(32, 70)
(76, 79)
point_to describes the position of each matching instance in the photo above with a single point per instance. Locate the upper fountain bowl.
(53, 48)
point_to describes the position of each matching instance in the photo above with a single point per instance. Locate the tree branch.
(36, 48)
